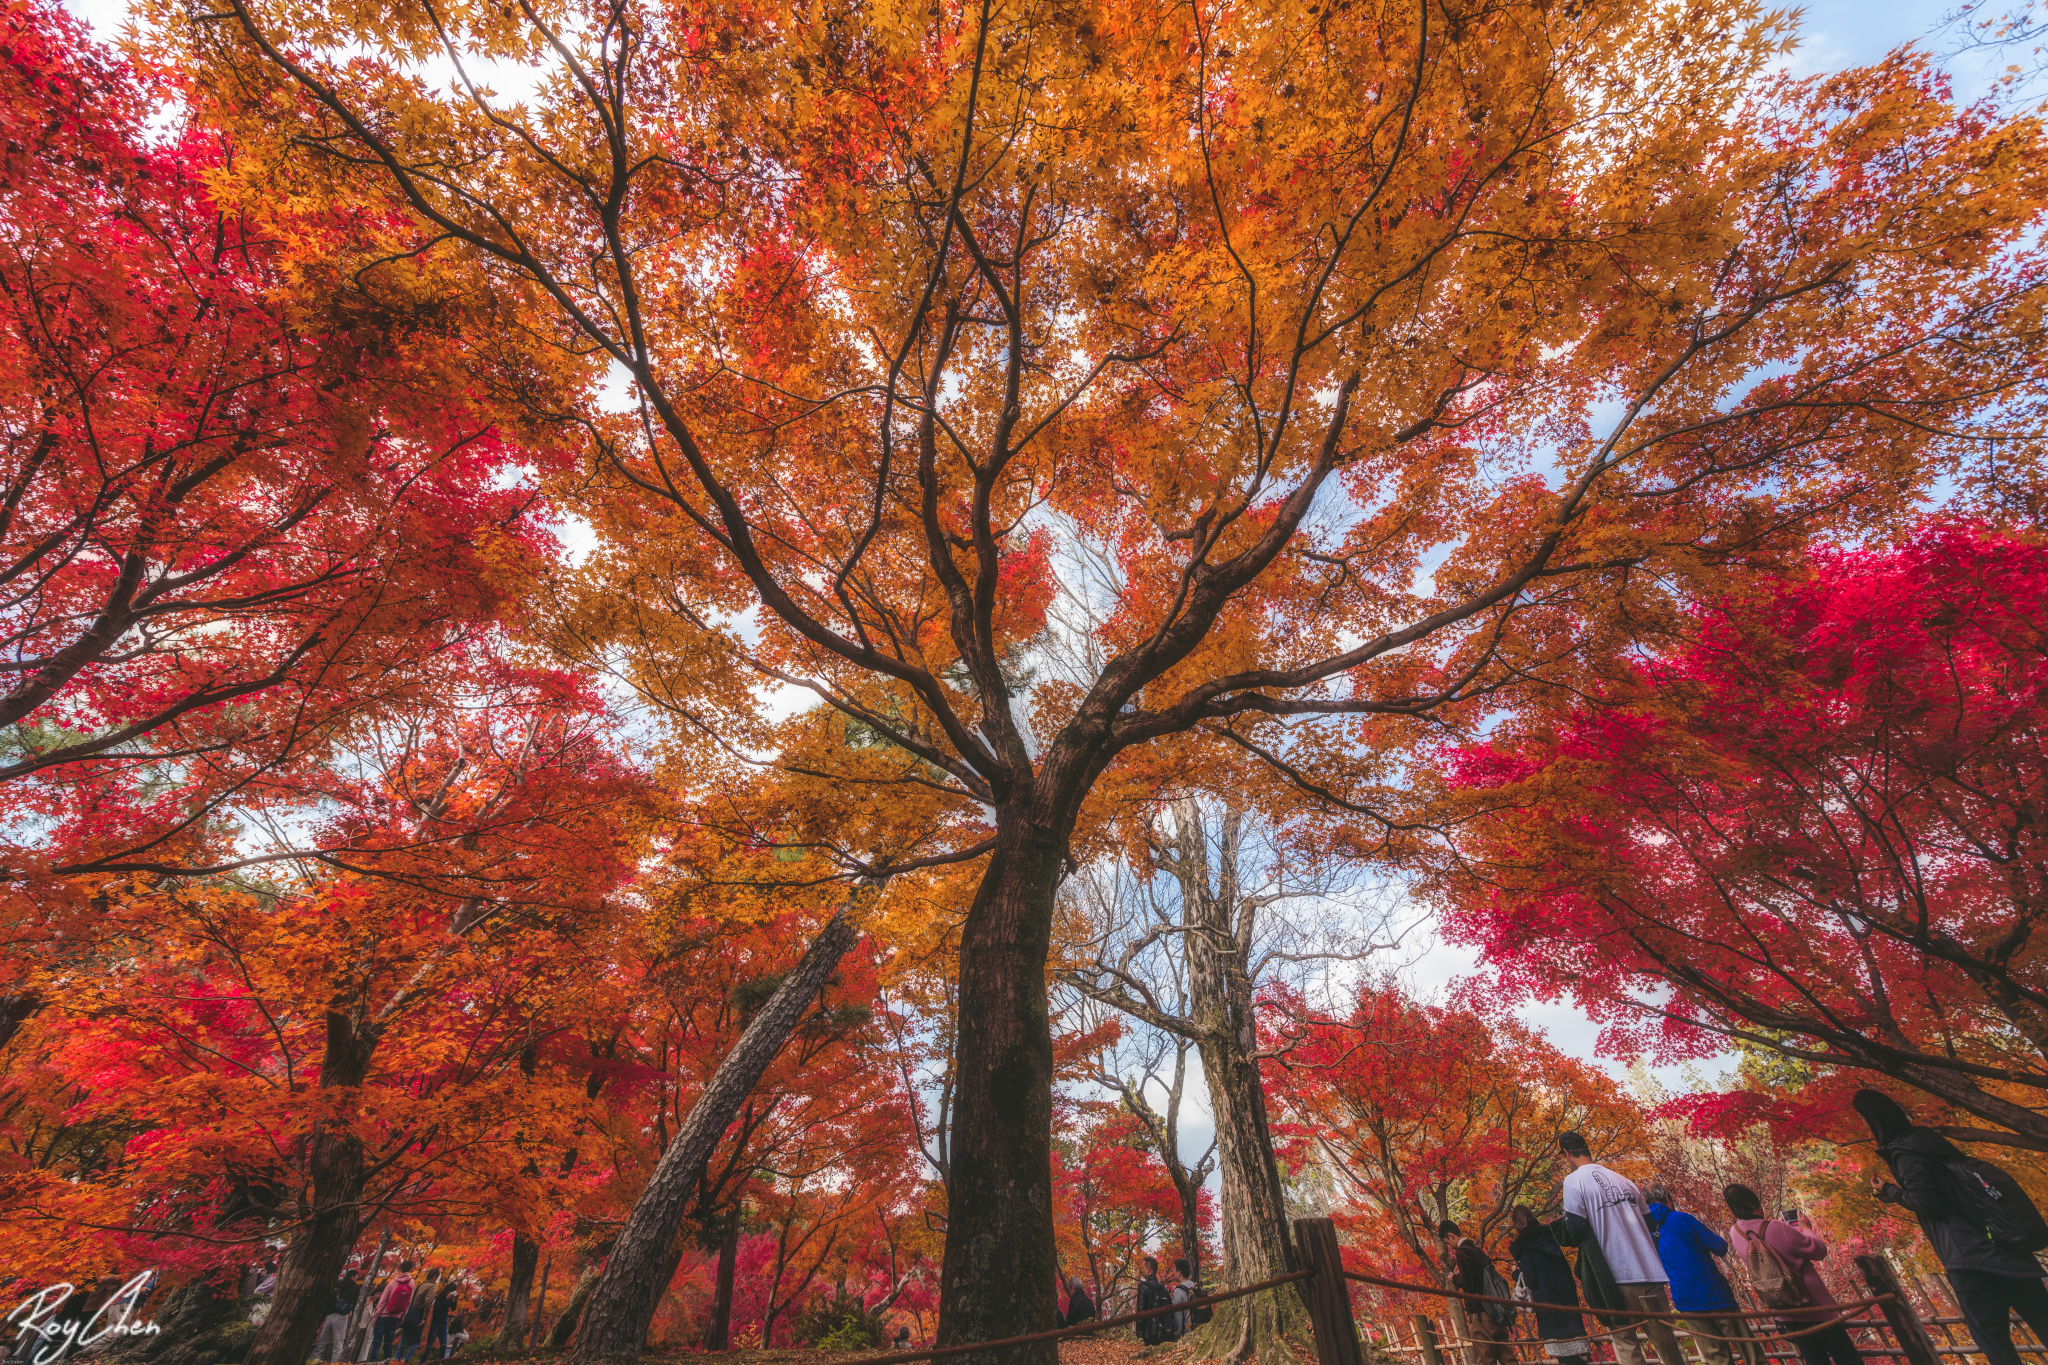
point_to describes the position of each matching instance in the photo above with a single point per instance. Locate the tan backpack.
(1773, 1280)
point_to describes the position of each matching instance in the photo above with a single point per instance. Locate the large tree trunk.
(519, 1293)
(623, 1302)
(1000, 1270)
(718, 1333)
(334, 1180)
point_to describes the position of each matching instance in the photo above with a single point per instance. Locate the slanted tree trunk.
(579, 1300)
(519, 1293)
(355, 1344)
(623, 1301)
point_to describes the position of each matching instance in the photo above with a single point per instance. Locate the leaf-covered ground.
(1110, 1348)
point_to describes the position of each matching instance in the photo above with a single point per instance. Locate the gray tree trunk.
(623, 1300)
(1219, 917)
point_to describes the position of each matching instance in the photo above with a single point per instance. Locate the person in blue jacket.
(1699, 1290)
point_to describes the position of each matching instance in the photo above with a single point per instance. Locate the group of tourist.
(1153, 1292)
(408, 1316)
(1644, 1264)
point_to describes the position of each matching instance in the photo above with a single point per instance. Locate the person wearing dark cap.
(1992, 1279)
(1611, 1212)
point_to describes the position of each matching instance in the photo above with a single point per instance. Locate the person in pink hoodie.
(391, 1308)
(1801, 1249)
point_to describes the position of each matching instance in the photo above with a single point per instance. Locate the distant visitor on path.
(1080, 1308)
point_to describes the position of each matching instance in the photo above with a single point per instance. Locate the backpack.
(1152, 1294)
(1994, 1201)
(398, 1299)
(1498, 1288)
(1775, 1283)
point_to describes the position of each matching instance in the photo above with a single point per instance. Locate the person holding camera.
(1782, 1255)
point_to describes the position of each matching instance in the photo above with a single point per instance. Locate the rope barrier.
(1083, 1328)
(1086, 1328)
(1607, 1313)
(1709, 1336)
(1878, 1323)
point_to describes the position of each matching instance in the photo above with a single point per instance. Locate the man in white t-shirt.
(1615, 1208)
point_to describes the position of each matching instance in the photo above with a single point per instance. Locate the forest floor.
(1109, 1348)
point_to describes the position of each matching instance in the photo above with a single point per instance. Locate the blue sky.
(1837, 32)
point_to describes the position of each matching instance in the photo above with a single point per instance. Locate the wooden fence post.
(1906, 1326)
(1329, 1300)
(1425, 1339)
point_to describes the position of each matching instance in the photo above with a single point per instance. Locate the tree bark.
(519, 1293)
(1254, 1215)
(1000, 1269)
(193, 1321)
(623, 1301)
(356, 1343)
(718, 1333)
(579, 1300)
(15, 1011)
(540, 1302)
(334, 1170)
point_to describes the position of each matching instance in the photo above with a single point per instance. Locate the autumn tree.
(1140, 1075)
(1115, 1200)
(297, 1056)
(1812, 829)
(1428, 1112)
(245, 503)
(829, 1105)
(242, 500)
(911, 300)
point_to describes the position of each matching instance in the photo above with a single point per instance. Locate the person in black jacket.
(1080, 1308)
(1153, 1294)
(333, 1337)
(1547, 1275)
(1469, 1265)
(437, 1321)
(1991, 1281)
